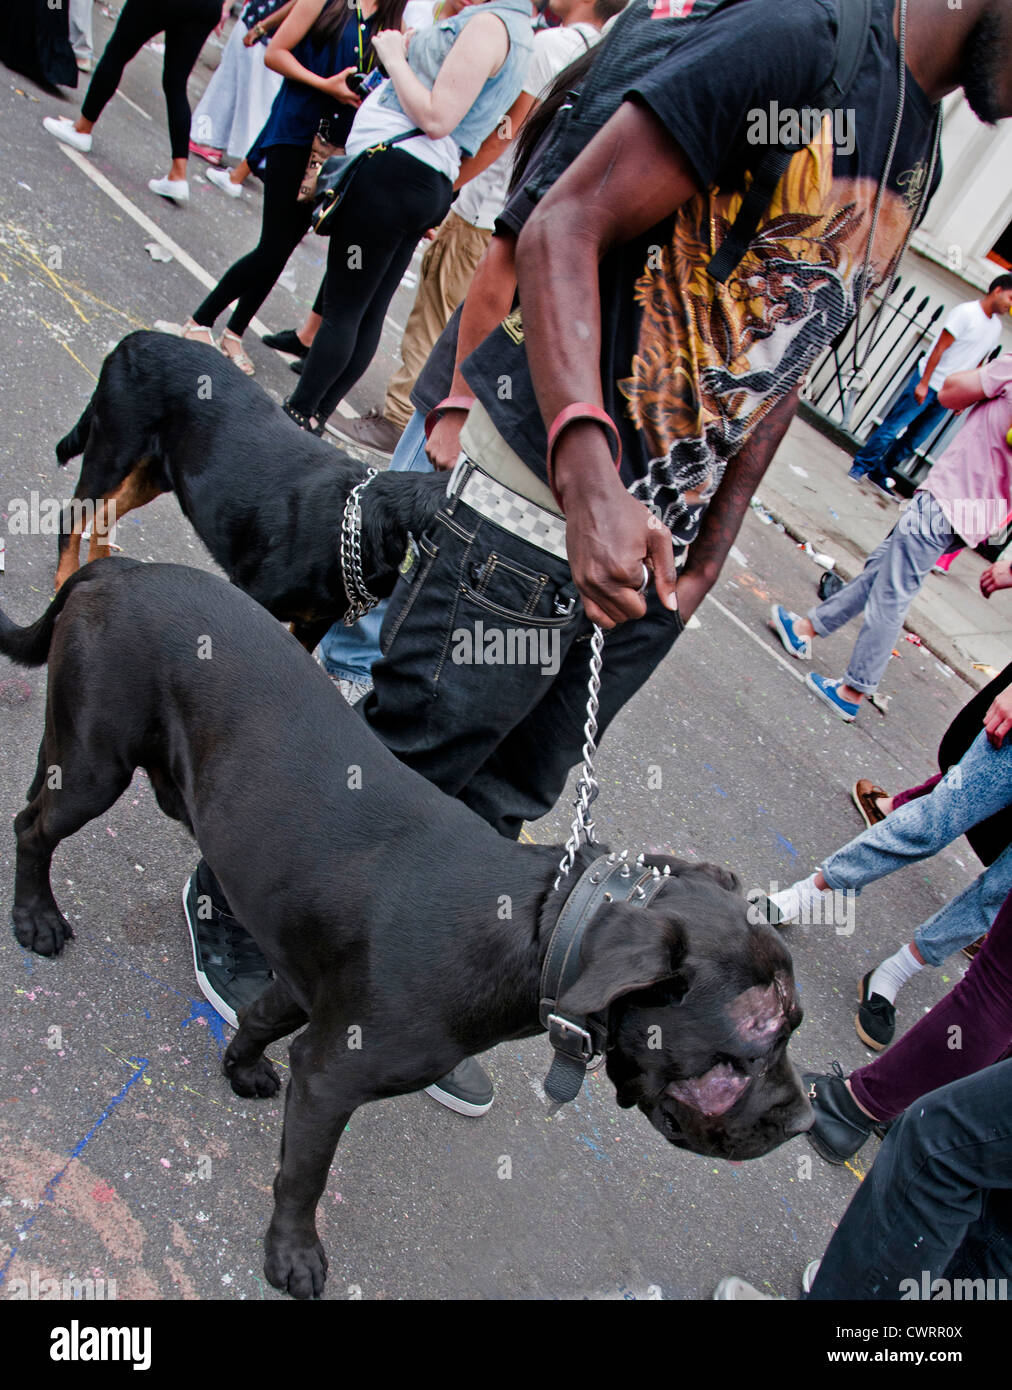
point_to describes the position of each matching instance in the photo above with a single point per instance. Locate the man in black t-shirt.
(696, 380)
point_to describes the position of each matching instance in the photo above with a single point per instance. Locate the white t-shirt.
(418, 14)
(975, 336)
(374, 123)
(481, 200)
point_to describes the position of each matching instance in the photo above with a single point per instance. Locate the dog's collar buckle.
(568, 1037)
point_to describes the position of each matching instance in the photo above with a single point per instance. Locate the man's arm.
(962, 389)
(629, 178)
(722, 519)
(945, 341)
(493, 145)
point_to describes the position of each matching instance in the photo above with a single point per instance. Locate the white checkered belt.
(516, 514)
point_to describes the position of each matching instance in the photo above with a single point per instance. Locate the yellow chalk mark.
(66, 346)
(856, 1171)
(30, 261)
(527, 839)
(37, 260)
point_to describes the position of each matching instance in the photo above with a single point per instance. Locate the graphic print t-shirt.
(690, 367)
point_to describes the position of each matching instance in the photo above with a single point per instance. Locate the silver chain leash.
(587, 787)
(360, 600)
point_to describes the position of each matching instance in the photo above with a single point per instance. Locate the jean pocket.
(418, 561)
(504, 587)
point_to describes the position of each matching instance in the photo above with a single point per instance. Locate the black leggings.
(285, 223)
(392, 200)
(187, 24)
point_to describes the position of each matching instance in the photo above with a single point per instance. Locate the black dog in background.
(266, 498)
(376, 898)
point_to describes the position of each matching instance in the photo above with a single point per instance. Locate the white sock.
(796, 901)
(890, 977)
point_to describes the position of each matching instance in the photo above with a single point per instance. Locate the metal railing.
(891, 343)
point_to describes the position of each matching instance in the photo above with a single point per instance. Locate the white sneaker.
(176, 189)
(64, 131)
(220, 179)
(796, 902)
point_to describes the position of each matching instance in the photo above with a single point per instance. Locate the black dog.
(377, 900)
(266, 498)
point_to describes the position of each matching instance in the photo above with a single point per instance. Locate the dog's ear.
(627, 949)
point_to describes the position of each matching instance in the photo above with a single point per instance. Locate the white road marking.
(790, 667)
(184, 258)
(133, 104)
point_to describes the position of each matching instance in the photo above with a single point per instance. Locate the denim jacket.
(428, 49)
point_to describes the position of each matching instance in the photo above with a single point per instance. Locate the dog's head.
(700, 1003)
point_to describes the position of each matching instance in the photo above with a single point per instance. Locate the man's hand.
(921, 391)
(995, 577)
(610, 536)
(443, 445)
(998, 720)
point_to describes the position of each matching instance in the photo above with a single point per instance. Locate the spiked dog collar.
(578, 1039)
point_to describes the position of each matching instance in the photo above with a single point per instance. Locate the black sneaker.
(230, 970)
(875, 1020)
(467, 1089)
(286, 341)
(296, 366)
(841, 1126)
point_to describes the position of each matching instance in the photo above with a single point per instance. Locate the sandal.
(239, 358)
(304, 422)
(192, 330)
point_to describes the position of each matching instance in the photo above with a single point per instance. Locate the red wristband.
(450, 403)
(582, 410)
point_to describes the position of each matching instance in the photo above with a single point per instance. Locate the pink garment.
(972, 481)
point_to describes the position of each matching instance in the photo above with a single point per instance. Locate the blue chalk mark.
(200, 1008)
(787, 846)
(141, 1065)
(720, 791)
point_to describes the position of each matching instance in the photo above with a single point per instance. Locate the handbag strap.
(395, 140)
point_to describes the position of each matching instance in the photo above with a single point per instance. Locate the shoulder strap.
(853, 27)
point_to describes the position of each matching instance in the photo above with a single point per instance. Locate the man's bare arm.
(722, 519)
(945, 341)
(961, 390)
(629, 178)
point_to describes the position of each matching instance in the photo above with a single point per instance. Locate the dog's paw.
(299, 1270)
(256, 1081)
(43, 929)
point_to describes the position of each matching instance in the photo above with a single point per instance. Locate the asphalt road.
(123, 1154)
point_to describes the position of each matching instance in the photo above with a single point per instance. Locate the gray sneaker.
(372, 431)
(467, 1089)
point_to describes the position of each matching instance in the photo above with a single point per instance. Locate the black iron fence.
(851, 404)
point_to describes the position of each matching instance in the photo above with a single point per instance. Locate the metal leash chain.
(360, 600)
(587, 788)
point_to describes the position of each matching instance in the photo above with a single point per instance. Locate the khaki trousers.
(447, 269)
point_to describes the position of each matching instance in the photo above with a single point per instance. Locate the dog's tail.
(73, 443)
(29, 646)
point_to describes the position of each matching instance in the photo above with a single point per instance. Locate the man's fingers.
(661, 556)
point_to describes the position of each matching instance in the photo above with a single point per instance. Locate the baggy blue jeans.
(882, 451)
(892, 577)
(972, 790)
